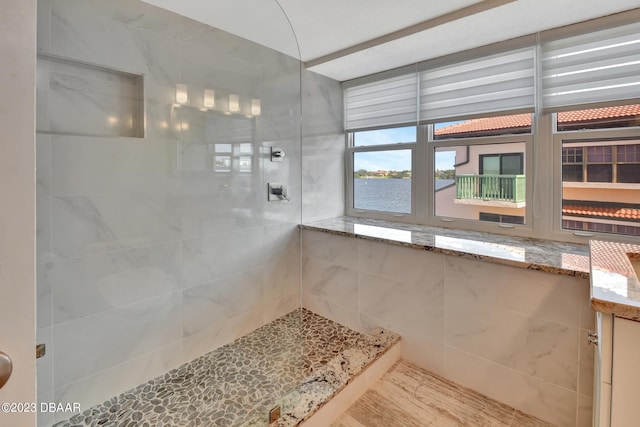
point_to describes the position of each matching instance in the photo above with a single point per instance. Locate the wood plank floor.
(408, 396)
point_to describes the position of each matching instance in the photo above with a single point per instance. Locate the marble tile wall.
(516, 335)
(147, 257)
(323, 148)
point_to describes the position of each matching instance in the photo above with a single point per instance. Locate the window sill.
(569, 259)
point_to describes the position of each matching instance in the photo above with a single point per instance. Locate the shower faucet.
(277, 192)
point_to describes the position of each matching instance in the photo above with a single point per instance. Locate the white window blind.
(502, 83)
(386, 102)
(593, 68)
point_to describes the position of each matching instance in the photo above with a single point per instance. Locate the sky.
(395, 159)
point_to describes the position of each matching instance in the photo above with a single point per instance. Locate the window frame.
(476, 224)
(608, 135)
(422, 201)
(349, 157)
(543, 145)
(543, 168)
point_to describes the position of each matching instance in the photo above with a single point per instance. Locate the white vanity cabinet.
(617, 372)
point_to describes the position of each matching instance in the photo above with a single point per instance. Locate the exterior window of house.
(382, 170)
(480, 171)
(600, 170)
(572, 164)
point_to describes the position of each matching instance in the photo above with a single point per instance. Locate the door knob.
(6, 366)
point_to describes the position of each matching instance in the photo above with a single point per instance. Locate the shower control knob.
(277, 154)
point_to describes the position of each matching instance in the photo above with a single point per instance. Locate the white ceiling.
(323, 27)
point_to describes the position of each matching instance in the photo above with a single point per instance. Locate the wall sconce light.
(256, 108)
(209, 98)
(234, 103)
(182, 96)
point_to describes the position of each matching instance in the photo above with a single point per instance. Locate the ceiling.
(345, 39)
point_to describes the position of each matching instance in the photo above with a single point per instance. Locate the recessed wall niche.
(75, 98)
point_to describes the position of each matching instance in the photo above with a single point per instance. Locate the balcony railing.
(503, 188)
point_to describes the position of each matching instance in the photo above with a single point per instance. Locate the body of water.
(390, 195)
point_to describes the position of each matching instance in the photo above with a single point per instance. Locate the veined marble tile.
(329, 281)
(44, 262)
(282, 271)
(219, 334)
(44, 365)
(103, 385)
(417, 307)
(324, 169)
(140, 15)
(45, 419)
(401, 264)
(585, 411)
(92, 344)
(549, 296)
(587, 314)
(426, 353)
(323, 104)
(534, 346)
(587, 360)
(223, 254)
(278, 308)
(541, 399)
(44, 24)
(216, 67)
(86, 165)
(216, 302)
(103, 103)
(43, 164)
(226, 210)
(85, 225)
(42, 93)
(346, 315)
(338, 250)
(322, 201)
(98, 283)
(77, 31)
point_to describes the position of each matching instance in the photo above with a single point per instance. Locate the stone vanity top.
(568, 259)
(615, 287)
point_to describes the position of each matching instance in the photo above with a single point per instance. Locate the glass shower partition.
(156, 241)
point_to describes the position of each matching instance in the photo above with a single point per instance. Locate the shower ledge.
(329, 391)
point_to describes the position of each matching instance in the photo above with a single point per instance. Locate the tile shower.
(155, 241)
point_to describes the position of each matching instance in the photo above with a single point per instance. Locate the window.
(588, 162)
(382, 170)
(471, 178)
(600, 174)
(491, 135)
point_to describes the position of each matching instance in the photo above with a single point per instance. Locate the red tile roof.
(599, 113)
(524, 120)
(487, 123)
(624, 214)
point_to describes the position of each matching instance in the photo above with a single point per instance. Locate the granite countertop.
(568, 259)
(615, 287)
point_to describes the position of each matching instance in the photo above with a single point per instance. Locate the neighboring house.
(601, 180)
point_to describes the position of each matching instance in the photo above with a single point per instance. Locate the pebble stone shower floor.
(233, 385)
